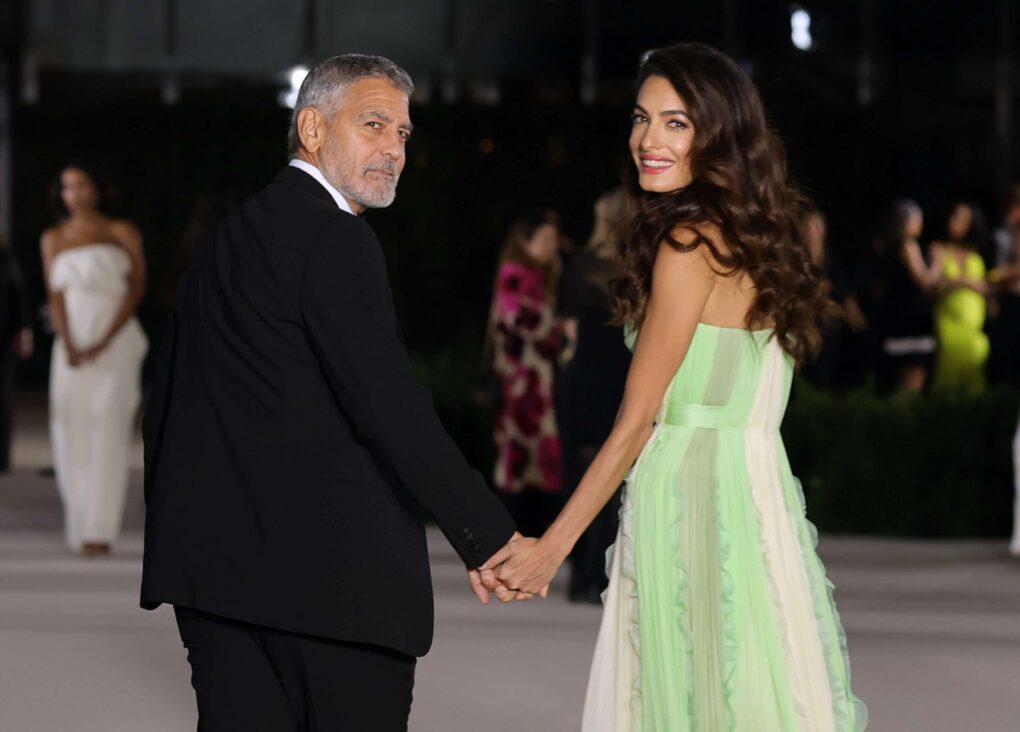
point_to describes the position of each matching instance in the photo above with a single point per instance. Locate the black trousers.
(256, 679)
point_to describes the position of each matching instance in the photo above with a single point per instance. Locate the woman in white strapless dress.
(95, 274)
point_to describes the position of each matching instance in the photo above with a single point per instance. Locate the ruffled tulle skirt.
(718, 615)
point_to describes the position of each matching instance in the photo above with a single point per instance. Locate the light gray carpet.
(934, 635)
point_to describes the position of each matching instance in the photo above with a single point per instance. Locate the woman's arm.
(855, 316)
(131, 240)
(978, 285)
(681, 285)
(926, 278)
(1005, 275)
(49, 249)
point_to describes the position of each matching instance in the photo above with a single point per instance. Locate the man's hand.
(477, 587)
(526, 566)
(493, 572)
(484, 582)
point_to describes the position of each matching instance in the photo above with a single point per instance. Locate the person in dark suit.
(16, 341)
(290, 457)
(590, 388)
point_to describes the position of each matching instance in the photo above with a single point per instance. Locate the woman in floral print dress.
(528, 340)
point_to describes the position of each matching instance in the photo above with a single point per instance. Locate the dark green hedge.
(932, 466)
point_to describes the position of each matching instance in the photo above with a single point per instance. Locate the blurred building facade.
(518, 104)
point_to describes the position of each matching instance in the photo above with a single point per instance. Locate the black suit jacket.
(15, 312)
(289, 453)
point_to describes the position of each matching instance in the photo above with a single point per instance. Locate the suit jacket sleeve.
(158, 402)
(348, 311)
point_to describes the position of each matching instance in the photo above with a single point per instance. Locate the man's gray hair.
(325, 85)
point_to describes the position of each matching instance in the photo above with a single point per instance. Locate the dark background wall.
(928, 131)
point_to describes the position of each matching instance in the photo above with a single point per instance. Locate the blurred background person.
(209, 210)
(590, 387)
(16, 341)
(961, 304)
(903, 281)
(528, 343)
(840, 363)
(1004, 279)
(1004, 330)
(95, 275)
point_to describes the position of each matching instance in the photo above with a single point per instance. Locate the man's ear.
(311, 129)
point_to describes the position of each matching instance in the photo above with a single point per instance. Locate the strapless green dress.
(719, 615)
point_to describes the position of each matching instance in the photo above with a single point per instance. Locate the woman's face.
(661, 137)
(544, 244)
(78, 191)
(959, 222)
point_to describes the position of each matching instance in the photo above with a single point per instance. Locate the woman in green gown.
(718, 614)
(961, 304)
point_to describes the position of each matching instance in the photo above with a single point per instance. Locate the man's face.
(363, 154)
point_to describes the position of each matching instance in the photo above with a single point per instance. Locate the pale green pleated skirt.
(719, 615)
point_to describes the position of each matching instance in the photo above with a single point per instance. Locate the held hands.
(484, 583)
(520, 570)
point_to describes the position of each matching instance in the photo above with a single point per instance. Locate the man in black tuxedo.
(290, 457)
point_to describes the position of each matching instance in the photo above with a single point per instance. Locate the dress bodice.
(93, 280)
(973, 266)
(731, 378)
(99, 269)
(963, 304)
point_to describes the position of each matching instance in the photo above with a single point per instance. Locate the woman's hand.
(978, 285)
(24, 343)
(528, 566)
(1004, 275)
(75, 358)
(93, 352)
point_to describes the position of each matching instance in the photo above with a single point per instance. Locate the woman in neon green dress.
(960, 308)
(718, 615)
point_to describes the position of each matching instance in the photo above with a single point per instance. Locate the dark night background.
(519, 104)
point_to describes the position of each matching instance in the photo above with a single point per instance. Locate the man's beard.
(360, 185)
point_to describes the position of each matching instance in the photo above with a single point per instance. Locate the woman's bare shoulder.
(52, 238)
(713, 244)
(672, 263)
(125, 231)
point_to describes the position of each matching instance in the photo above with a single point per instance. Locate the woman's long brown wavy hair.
(739, 185)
